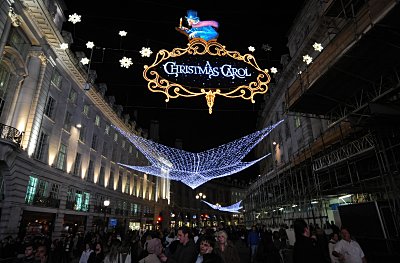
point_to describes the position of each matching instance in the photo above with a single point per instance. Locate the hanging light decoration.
(232, 208)
(194, 169)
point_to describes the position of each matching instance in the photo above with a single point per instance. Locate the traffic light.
(159, 219)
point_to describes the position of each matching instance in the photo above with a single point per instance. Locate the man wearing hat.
(200, 29)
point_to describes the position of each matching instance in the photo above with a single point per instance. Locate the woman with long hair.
(225, 248)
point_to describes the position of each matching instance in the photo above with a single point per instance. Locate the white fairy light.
(232, 208)
(307, 59)
(146, 52)
(74, 18)
(274, 70)
(123, 33)
(85, 61)
(318, 47)
(251, 48)
(125, 62)
(90, 44)
(63, 46)
(195, 169)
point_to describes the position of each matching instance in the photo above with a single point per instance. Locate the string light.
(195, 169)
(232, 208)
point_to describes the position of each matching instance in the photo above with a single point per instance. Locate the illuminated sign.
(206, 68)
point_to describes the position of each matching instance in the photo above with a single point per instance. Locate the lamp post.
(201, 196)
(106, 203)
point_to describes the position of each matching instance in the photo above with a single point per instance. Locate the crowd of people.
(190, 245)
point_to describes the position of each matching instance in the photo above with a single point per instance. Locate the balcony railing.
(10, 133)
(46, 202)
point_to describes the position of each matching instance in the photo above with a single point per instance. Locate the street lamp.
(106, 203)
(201, 196)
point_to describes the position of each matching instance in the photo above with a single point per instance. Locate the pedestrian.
(348, 250)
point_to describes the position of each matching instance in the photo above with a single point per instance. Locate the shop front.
(36, 224)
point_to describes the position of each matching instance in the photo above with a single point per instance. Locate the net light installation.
(195, 169)
(205, 68)
(232, 208)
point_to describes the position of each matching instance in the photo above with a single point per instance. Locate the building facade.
(59, 152)
(336, 156)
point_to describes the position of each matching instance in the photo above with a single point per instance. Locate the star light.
(232, 208)
(74, 18)
(318, 47)
(307, 59)
(251, 48)
(195, 169)
(122, 33)
(274, 70)
(85, 61)
(63, 46)
(266, 47)
(125, 62)
(90, 44)
(146, 52)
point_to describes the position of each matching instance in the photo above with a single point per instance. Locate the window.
(4, 78)
(67, 121)
(82, 133)
(107, 129)
(50, 107)
(86, 109)
(111, 181)
(130, 148)
(17, 41)
(90, 172)
(297, 120)
(120, 181)
(114, 154)
(31, 190)
(101, 176)
(105, 149)
(72, 96)
(127, 185)
(123, 144)
(77, 164)
(97, 121)
(94, 142)
(54, 192)
(42, 188)
(62, 157)
(56, 79)
(41, 147)
(115, 137)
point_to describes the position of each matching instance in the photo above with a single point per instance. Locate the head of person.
(30, 250)
(207, 244)
(345, 234)
(334, 236)
(98, 248)
(192, 17)
(183, 235)
(41, 253)
(222, 237)
(154, 246)
(301, 228)
(88, 246)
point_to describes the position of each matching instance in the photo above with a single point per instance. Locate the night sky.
(152, 24)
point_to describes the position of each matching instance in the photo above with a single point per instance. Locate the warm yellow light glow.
(198, 47)
(52, 156)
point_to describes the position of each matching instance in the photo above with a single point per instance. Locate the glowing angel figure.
(199, 29)
(232, 208)
(194, 169)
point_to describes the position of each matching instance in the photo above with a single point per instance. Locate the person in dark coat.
(305, 248)
(225, 248)
(185, 251)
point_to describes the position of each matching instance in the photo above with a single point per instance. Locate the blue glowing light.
(194, 169)
(232, 208)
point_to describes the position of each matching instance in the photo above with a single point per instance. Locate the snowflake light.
(90, 44)
(85, 61)
(63, 46)
(274, 70)
(317, 47)
(74, 18)
(146, 52)
(251, 48)
(122, 33)
(195, 169)
(232, 208)
(266, 47)
(125, 62)
(307, 59)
